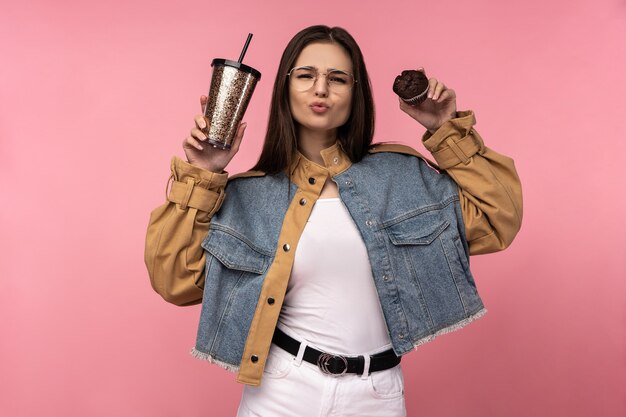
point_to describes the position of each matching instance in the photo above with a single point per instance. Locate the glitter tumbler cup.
(232, 85)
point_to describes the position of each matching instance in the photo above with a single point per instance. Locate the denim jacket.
(419, 226)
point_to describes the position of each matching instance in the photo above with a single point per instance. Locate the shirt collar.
(335, 160)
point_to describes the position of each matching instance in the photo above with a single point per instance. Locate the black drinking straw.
(245, 48)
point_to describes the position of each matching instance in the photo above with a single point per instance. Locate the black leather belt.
(336, 364)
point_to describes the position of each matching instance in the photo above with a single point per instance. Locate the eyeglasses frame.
(325, 74)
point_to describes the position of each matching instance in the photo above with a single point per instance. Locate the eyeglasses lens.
(302, 79)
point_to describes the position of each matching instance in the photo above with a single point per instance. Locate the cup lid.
(238, 65)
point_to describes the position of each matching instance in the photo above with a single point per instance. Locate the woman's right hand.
(204, 155)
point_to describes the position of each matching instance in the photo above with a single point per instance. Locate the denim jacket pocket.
(421, 229)
(235, 270)
(235, 251)
(442, 282)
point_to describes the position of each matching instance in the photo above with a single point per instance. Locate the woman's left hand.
(438, 108)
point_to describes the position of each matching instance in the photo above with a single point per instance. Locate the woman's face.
(320, 108)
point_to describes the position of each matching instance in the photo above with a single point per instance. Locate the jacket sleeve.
(489, 187)
(173, 252)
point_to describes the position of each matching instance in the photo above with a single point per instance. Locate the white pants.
(295, 388)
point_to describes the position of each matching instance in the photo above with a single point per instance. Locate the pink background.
(95, 99)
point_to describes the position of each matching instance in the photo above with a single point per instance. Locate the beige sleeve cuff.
(455, 142)
(182, 170)
(196, 187)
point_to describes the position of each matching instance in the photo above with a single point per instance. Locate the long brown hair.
(355, 136)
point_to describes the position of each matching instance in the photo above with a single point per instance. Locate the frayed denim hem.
(452, 328)
(206, 357)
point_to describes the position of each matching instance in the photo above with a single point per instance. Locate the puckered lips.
(319, 107)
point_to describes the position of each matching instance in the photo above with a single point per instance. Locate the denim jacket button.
(386, 278)
(401, 336)
(368, 222)
(348, 182)
(302, 201)
(286, 247)
(311, 180)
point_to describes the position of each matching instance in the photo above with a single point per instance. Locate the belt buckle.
(324, 361)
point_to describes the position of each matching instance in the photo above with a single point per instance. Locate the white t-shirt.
(331, 301)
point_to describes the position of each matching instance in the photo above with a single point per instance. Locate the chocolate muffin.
(411, 86)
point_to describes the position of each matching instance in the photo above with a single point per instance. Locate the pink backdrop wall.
(94, 100)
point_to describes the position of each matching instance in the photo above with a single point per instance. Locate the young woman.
(332, 258)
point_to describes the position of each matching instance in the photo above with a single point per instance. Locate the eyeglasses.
(303, 78)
